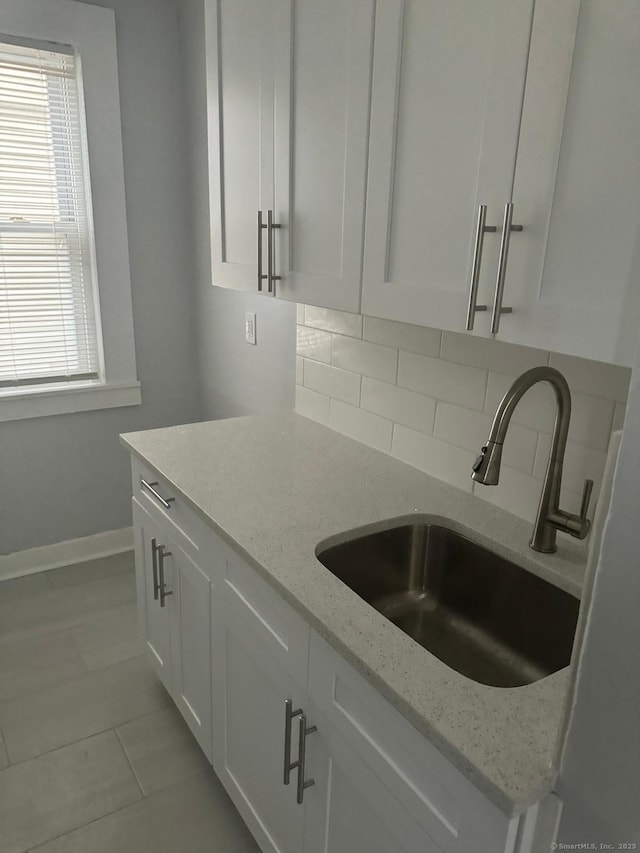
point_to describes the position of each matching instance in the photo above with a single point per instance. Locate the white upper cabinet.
(491, 103)
(240, 121)
(288, 111)
(573, 273)
(448, 82)
(377, 132)
(322, 132)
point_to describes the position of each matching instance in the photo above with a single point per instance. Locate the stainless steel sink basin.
(477, 612)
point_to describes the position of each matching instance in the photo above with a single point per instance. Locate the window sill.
(19, 403)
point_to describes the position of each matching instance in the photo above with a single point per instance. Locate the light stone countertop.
(275, 486)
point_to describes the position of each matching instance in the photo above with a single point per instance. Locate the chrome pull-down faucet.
(486, 468)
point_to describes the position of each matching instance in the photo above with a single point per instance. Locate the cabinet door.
(349, 808)
(240, 57)
(448, 82)
(323, 82)
(257, 662)
(572, 274)
(379, 766)
(191, 644)
(155, 622)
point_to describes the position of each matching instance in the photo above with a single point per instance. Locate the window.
(48, 329)
(66, 330)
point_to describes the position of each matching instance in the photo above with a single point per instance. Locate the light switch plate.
(250, 328)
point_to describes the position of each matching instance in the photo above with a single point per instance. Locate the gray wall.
(600, 774)
(234, 377)
(64, 477)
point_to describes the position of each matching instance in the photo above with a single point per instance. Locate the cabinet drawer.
(163, 503)
(440, 799)
(280, 629)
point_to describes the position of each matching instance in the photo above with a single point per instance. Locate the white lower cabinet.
(175, 620)
(155, 623)
(349, 809)
(371, 781)
(191, 637)
(255, 657)
(238, 660)
(381, 774)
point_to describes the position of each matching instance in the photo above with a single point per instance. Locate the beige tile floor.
(94, 758)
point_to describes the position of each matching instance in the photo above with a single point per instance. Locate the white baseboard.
(66, 553)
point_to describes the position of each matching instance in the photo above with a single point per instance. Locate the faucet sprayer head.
(486, 468)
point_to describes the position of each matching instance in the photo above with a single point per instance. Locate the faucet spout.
(486, 468)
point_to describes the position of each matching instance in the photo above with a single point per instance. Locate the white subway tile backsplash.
(591, 417)
(364, 426)
(444, 461)
(313, 343)
(470, 430)
(397, 404)
(333, 321)
(580, 463)
(593, 377)
(463, 427)
(572, 501)
(403, 336)
(312, 405)
(492, 355)
(428, 398)
(300, 314)
(537, 409)
(618, 416)
(443, 380)
(520, 494)
(591, 420)
(363, 357)
(516, 492)
(333, 381)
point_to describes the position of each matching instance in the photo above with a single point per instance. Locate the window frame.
(90, 31)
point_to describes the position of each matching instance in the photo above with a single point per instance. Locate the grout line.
(79, 740)
(127, 758)
(132, 804)
(85, 736)
(85, 825)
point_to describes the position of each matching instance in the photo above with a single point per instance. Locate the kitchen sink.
(479, 613)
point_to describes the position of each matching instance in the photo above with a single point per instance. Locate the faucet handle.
(586, 498)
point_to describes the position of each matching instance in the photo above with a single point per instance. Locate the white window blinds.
(48, 328)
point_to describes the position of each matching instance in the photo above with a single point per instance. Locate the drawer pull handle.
(302, 749)
(289, 714)
(507, 228)
(164, 592)
(154, 564)
(166, 502)
(481, 229)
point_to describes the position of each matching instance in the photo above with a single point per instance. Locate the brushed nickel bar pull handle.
(271, 276)
(166, 502)
(261, 227)
(302, 749)
(164, 592)
(154, 566)
(289, 714)
(481, 229)
(507, 228)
